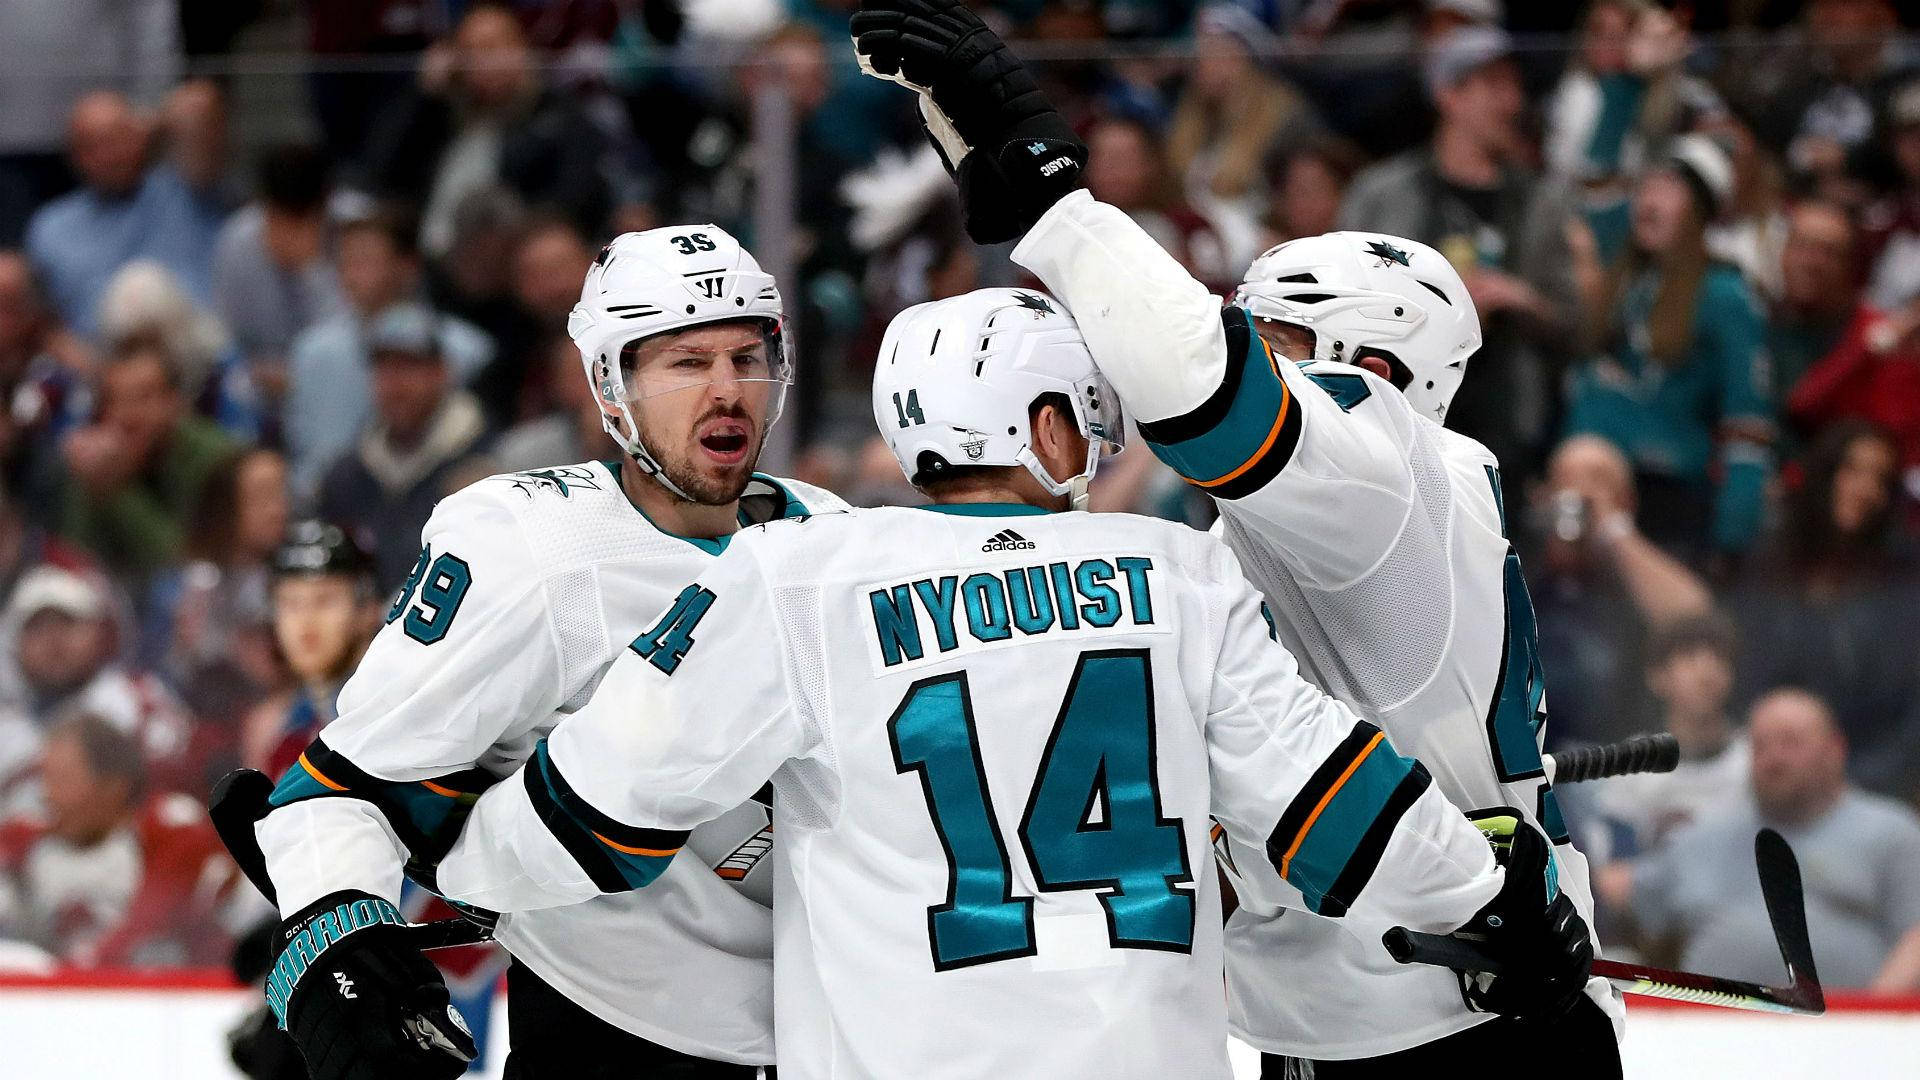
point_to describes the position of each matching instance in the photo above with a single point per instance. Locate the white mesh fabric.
(1377, 641)
(580, 631)
(587, 527)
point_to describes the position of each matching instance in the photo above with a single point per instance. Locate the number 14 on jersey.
(1092, 821)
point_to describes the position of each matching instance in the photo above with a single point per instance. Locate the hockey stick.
(239, 801)
(1641, 754)
(1786, 910)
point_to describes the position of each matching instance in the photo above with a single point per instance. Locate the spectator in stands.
(1599, 586)
(1127, 169)
(1683, 387)
(1839, 357)
(207, 617)
(126, 208)
(1830, 605)
(51, 54)
(193, 133)
(115, 877)
(474, 280)
(549, 263)
(1469, 194)
(144, 303)
(480, 115)
(325, 612)
(1620, 104)
(1893, 221)
(44, 369)
(328, 385)
(1751, 230)
(132, 476)
(1226, 121)
(1819, 303)
(1829, 97)
(1690, 667)
(419, 445)
(24, 545)
(66, 645)
(273, 267)
(1306, 182)
(1863, 891)
(567, 434)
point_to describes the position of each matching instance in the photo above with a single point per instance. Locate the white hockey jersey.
(995, 736)
(1379, 540)
(527, 587)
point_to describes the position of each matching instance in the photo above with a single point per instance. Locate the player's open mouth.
(725, 441)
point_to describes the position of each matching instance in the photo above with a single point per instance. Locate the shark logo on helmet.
(1388, 254)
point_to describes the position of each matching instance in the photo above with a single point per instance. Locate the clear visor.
(749, 361)
(1107, 423)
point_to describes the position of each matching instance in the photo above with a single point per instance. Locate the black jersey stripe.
(1366, 855)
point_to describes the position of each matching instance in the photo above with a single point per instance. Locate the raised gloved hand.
(359, 1001)
(1530, 927)
(1012, 152)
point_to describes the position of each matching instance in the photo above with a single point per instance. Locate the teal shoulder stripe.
(617, 858)
(1242, 435)
(426, 815)
(296, 786)
(1338, 832)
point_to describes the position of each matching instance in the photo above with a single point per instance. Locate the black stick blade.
(1780, 888)
(238, 801)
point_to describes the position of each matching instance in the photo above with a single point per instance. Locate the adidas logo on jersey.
(1007, 540)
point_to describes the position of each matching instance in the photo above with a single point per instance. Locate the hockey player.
(995, 731)
(527, 586)
(1377, 535)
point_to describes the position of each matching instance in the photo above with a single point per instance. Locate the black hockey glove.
(1531, 927)
(359, 1001)
(1024, 156)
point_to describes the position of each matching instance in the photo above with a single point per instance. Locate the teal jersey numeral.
(442, 585)
(933, 735)
(1518, 719)
(1094, 821)
(672, 637)
(1093, 817)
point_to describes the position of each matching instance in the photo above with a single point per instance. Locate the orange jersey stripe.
(1279, 422)
(320, 776)
(438, 790)
(634, 850)
(1287, 859)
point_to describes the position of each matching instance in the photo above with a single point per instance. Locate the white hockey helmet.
(659, 281)
(955, 381)
(1369, 294)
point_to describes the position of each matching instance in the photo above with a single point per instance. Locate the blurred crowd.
(231, 335)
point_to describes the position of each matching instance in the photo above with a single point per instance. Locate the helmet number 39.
(691, 243)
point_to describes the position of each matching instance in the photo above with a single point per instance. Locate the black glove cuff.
(324, 924)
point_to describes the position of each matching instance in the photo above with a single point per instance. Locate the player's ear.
(1057, 441)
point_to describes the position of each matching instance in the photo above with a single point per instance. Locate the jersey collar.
(712, 545)
(986, 509)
